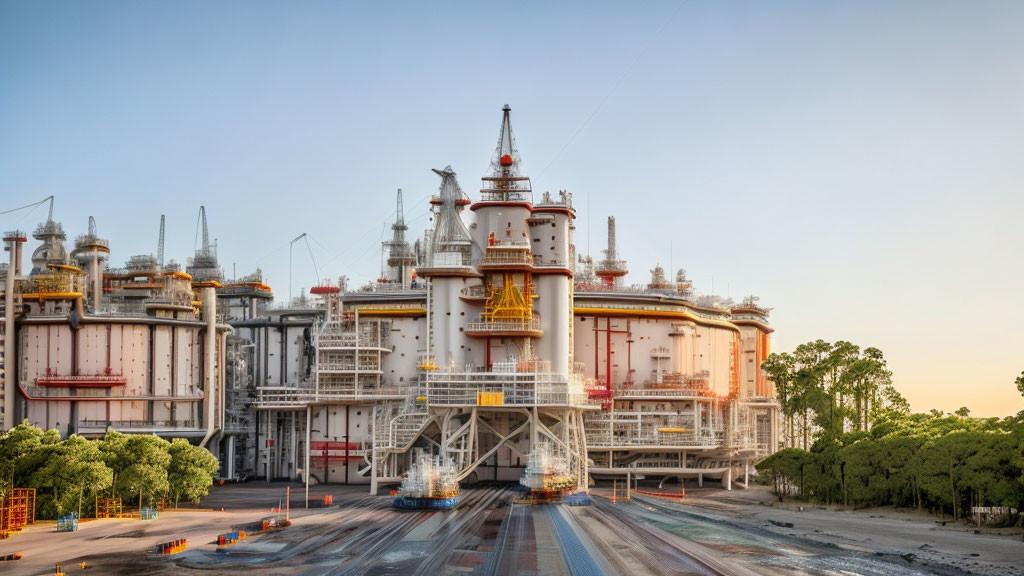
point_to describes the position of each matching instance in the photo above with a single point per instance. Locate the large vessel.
(429, 484)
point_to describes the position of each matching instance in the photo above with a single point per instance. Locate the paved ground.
(715, 532)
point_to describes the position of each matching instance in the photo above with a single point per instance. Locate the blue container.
(67, 523)
(148, 514)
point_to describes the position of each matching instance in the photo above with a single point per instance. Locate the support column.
(271, 429)
(534, 423)
(700, 479)
(305, 467)
(229, 457)
(293, 447)
(209, 296)
(13, 241)
(728, 478)
(373, 447)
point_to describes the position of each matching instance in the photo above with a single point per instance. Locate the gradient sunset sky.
(857, 165)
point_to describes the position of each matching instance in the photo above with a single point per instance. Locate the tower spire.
(450, 233)
(506, 161)
(401, 258)
(160, 244)
(611, 269)
(399, 226)
(506, 183)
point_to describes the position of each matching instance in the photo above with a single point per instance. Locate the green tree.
(779, 369)
(837, 384)
(944, 463)
(786, 470)
(139, 464)
(865, 377)
(73, 469)
(944, 473)
(19, 454)
(191, 471)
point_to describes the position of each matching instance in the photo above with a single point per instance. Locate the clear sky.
(857, 165)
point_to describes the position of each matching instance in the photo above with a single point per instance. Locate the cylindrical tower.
(509, 325)
(448, 269)
(91, 253)
(551, 230)
(12, 243)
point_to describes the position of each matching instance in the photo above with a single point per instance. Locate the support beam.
(490, 452)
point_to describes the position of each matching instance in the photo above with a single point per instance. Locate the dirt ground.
(741, 532)
(42, 547)
(879, 530)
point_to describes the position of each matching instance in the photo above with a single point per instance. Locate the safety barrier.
(325, 501)
(678, 497)
(173, 547)
(231, 538)
(274, 522)
(11, 557)
(148, 514)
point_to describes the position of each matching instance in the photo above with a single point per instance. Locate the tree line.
(853, 441)
(69, 474)
(830, 388)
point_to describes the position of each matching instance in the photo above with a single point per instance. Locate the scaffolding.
(17, 510)
(349, 354)
(239, 414)
(59, 280)
(108, 508)
(534, 385)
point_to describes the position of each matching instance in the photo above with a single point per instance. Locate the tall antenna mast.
(160, 244)
(206, 232)
(399, 226)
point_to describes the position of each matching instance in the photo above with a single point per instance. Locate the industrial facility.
(488, 339)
